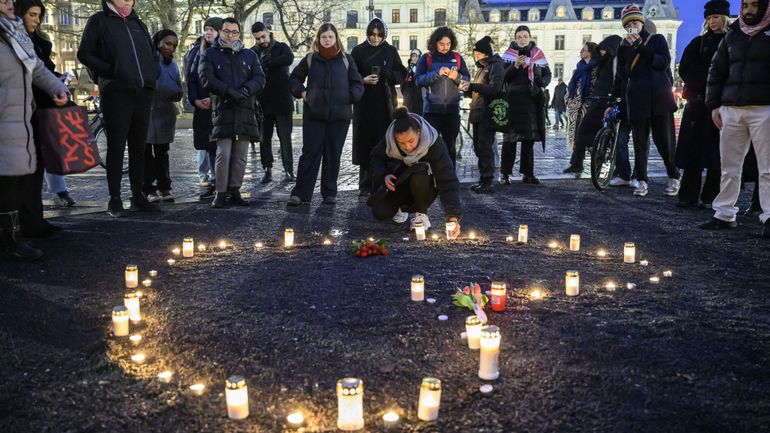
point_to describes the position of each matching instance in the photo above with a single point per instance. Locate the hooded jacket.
(117, 49)
(485, 86)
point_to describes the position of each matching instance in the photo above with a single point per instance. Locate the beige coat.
(17, 145)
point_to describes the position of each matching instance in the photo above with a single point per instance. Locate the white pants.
(740, 127)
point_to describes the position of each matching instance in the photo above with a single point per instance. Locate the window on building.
(494, 16)
(514, 15)
(396, 42)
(558, 70)
(198, 27)
(533, 15)
(587, 14)
(395, 17)
(561, 13)
(378, 13)
(608, 13)
(559, 43)
(586, 38)
(412, 42)
(412, 15)
(267, 19)
(64, 18)
(439, 17)
(69, 65)
(669, 39)
(352, 20)
(352, 42)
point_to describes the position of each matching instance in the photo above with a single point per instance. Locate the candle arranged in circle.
(120, 321)
(131, 301)
(418, 288)
(288, 238)
(574, 242)
(473, 331)
(188, 247)
(523, 234)
(489, 353)
(450, 228)
(629, 252)
(498, 296)
(430, 399)
(419, 231)
(237, 397)
(572, 283)
(350, 404)
(165, 376)
(132, 276)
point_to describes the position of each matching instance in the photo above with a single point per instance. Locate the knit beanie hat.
(484, 45)
(214, 22)
(716, 7)
(630, 13)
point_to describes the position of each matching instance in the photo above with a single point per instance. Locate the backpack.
(309, 60)
(429, 60)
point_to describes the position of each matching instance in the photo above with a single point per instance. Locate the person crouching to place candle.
(410, 167)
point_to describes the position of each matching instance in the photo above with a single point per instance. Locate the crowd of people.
(406, 154)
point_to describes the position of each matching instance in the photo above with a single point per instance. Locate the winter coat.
(698, 136)
(372, 114)
(17, 143)
(740, 71)
(441, 93)
(201, 118)
(163, 111)
(43, 49)
(332, 86)
(648, 91)
(605, 76)
(222, 71)
(559, 102)
(412, 93)
(527, 101)
(275, 61)
(486, 85)
(117, 49)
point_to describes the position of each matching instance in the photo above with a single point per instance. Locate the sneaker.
(619, 181)
(633, 183)
(532, 180)
(296, 201)
(573, 169)
(166, 197)
(208, 193)
(505, 179)
(484, 188)
(420, 218)
(329, 200)
(400, 217)
(204, 181)
(115, 208)
(672, 189)
(140, 203)
(63, 199)
(718, 224)
(641, 189)
(153, 197)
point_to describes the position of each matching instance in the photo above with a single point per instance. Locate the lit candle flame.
(390, 416)
(536, 294)
(222, 245)
(138, 358)
(295, 418)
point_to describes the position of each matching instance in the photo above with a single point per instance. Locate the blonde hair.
(722, 29)
(325, 27)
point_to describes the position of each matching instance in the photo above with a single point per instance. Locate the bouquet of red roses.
(366, 248)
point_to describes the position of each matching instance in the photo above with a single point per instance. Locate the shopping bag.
(67, 145)
(497, 116)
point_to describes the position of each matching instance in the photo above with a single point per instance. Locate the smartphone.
(375, 70)
(454, 68)
(633, 31)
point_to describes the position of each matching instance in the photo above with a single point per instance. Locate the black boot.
(139, 203)
(219, 200)
(236, 199)
(268, 176)
(13, 245)
(484, 187)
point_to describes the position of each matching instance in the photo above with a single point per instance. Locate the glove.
(236, 95)
(244, 91)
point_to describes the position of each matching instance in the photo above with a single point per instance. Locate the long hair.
(593, 49)
(439, 34)
(722, 29)
(325, 27)
(22, 6)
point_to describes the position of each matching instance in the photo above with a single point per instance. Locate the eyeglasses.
(227, 32)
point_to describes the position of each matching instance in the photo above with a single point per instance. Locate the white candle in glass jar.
(629, 252)
(188, 247)
(430, 399)
(572, 283)
(120, 321)
(450, 228)
(418, 288)
(419, 231)
(489, 353)
(288, 238)
(668, 274)
(165, 376)
(574, 242)
(523, 234)
(131, 302)
(350, 404)
(237, 397)
(132, 276)
(473, 331)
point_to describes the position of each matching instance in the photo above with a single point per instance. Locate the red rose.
(384, 251)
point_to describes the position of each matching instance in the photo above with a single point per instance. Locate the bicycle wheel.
(603, 158)
(101, 143)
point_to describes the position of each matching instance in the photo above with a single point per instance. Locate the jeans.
(55, 182)
(204, 171)
(622, 163)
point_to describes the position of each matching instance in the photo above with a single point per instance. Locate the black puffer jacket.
(740, 70)
(223, 71)
(275, 61)
(332, 87)
(485, 86)
(117, 49)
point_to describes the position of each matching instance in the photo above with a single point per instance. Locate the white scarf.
(19, 39)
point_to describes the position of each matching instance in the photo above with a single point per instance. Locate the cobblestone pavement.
(90, 189)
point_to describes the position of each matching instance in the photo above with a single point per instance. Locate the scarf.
(235, 45)
(582, 73)
(428, 136)
(328, 53)
(20, 41)
(756, 28)
(122, 12)
(535, 56)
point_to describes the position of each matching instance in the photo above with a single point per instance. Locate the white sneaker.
(153, 197)
(619, 181)
(672, 189)
(420, 218)
(400, 217)
(641, 189)
(633, 183)
(204, 182)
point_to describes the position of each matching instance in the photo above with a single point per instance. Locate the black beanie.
(484, 46)
(716, 7)
(214, 22)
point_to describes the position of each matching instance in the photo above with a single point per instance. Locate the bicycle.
(604, 149)
(100, 135)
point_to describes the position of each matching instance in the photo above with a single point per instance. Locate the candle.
(171, 262)
(176, 251)
(644, 262)
(222, 245)
(536, 294)
(419, 231)
(197, 388)
(489, 353)
(667, 274)
(523, 233)
(630, 286)
(350, 404)
(147, 282)
(601, 254)
(654, 280)
(509, 238)
(450, 228)
(418, 288)
(498, 296)
(390, 419)
(288, 238)
(135, 339)
(295, 418)
(434, 237)
(132, 276)
(188, 247)
(327, 241)
(153, 273)
(572, 283)
(610, 286)
(139, 294)
(237, 397)
(120, 321)
(430, 399)
(138, 358)
(132, 304)
(201, 247)
(473, 331)
(258, 245)
(553, 245)
(165, 376)
(629, 252)
(472, 235)
(574, 242)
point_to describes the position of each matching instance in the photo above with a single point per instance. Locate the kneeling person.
(410, 167)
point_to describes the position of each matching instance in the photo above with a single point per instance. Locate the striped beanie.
(630, 13)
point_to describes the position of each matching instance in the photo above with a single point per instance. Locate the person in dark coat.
(698, 146)
(649, 102)
(597, 101)
(579, 89)
(738, 95)
(163, 112)
(231, 73)
(116, 48)
(328, 82)
(441, 72)
(380, 65)
(526, 75)
(484, 87)
(200, 99)
(411, 92)
(559, 104)
(276, 101)
(410, 167)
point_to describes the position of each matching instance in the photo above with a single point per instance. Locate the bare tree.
(299, 19)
